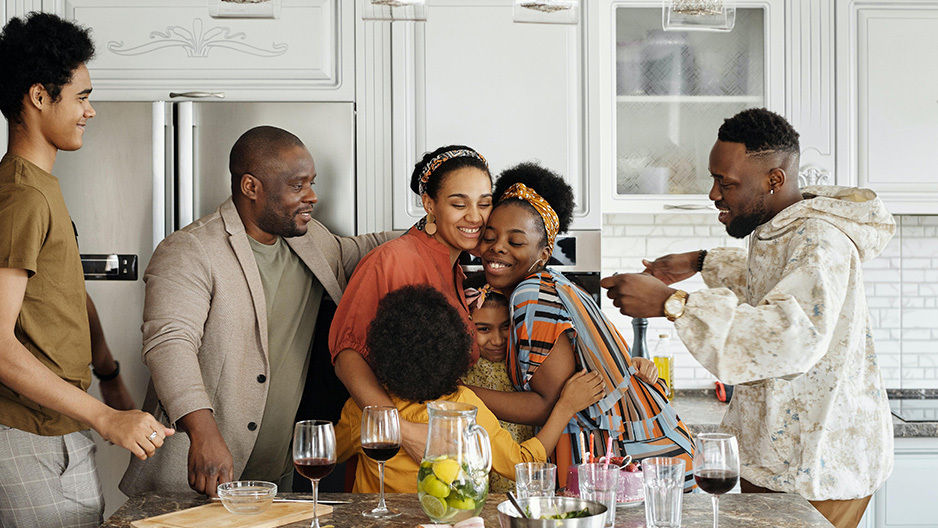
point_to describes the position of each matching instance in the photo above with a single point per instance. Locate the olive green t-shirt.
(293, 295)
(36, 234)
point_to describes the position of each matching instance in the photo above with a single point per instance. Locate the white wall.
(901, 286)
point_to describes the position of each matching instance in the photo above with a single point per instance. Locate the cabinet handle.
(689, 207)
(198, 95)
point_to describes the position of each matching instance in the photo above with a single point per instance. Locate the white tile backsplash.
(901, 287)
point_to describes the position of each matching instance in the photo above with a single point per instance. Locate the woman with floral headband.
(455, 186)
(558, 329)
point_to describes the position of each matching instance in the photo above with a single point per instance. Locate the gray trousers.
(48, 481)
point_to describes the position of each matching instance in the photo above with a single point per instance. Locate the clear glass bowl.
(247, 496)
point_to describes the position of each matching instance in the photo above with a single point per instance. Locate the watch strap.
(110, 375)
(701, 256)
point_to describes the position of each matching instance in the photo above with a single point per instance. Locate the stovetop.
(915, 410)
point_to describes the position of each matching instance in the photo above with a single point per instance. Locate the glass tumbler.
(535, 479)
(664, 491)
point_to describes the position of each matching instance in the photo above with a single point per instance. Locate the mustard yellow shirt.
(400, 472)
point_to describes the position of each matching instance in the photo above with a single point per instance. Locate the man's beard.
(746, 222)
(277, 224)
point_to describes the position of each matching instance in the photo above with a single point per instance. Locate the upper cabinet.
(470, 75)
(659, 97)
(887, 71)
(302, 50)
(809, 87)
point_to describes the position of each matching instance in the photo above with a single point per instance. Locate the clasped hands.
(643, 294)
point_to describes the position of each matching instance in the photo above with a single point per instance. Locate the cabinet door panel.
(470, 75)
(152, 47)
(907, 500)
(898, 101)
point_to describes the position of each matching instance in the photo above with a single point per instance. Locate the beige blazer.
(205, 333)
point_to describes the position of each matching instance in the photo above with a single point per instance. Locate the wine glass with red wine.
(381, 440)
(314, 455)
(716, 466)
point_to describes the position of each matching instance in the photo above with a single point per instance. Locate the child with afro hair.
(419, 351)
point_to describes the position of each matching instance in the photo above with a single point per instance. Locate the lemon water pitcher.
(453, 481)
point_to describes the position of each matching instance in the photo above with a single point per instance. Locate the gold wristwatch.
(674, 306)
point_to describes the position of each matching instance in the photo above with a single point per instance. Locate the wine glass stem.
(381, 505)
(315, 503)
(716, 509)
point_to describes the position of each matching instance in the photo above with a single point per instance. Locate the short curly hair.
(545, 182)
(42, 49)
(761, 130)
(413, 363)
(448, 166)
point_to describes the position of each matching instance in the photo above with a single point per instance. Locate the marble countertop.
(702, 413)
(736, 511)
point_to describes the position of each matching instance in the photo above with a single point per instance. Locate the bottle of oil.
(664, 360)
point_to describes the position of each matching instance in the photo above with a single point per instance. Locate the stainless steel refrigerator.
(148, 168)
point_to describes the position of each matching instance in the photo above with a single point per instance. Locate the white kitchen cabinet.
(470, 75)
(149, 48)
(809, 86)
(908, 499)
(887, 88)
(657, 99)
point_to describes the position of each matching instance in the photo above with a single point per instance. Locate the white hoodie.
(788, 324)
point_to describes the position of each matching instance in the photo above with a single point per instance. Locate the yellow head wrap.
(548, 215)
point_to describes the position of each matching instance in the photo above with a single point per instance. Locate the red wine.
(314, 468)
(716, 481)
(380, 451)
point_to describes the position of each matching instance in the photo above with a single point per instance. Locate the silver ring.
(153, 435)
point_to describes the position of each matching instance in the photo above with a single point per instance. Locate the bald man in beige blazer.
(207, 328)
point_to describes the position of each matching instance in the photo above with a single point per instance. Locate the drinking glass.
(314, 455)
(535, 479)
(664, 491)
(716, 466)
(381, 440)
(600, 482)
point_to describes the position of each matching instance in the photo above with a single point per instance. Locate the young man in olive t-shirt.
(47, 471)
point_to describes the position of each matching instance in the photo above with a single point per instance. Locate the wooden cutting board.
(216, 516)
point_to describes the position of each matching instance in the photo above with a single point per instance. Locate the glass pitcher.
(453, 480)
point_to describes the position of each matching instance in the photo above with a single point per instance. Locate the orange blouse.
(412, 259)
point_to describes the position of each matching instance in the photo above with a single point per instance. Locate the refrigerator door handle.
(159, 171)
(197, 95)
(185, 162)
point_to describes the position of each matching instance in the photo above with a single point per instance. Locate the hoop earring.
(534, 265)
(430, 227)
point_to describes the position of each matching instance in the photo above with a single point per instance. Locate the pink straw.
(591, 448)
(608, 450)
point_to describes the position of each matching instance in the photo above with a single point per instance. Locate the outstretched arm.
(534, 407)
(23, 373)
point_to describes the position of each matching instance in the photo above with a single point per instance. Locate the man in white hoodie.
(786, 321)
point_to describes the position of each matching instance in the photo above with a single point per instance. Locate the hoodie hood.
(859, 213)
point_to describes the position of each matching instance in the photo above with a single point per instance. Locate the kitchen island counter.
(740, 511)
(702, 413)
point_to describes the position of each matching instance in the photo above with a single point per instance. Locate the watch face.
(673, 306)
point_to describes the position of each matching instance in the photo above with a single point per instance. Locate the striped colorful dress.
(546, 306)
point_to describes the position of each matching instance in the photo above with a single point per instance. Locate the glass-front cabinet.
(662, 95)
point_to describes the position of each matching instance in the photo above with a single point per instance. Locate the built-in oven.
(576, 255)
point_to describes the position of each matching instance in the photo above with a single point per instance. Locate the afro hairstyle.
(413, 363)
(544, 182)
(42, 49)
(761, 131)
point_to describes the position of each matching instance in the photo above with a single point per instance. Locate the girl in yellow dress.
(489, 312)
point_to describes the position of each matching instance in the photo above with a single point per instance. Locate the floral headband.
(548, 215)
(442, 158)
